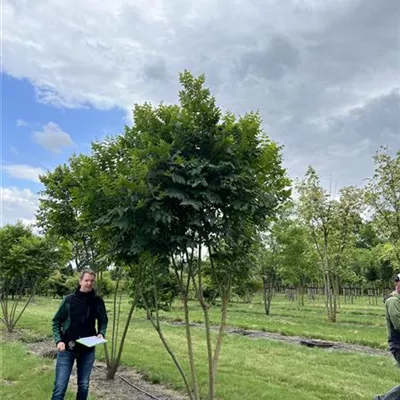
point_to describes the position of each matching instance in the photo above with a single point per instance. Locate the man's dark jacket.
(76, 318)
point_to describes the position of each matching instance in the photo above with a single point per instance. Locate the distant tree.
(61, 215)
(267, 264)
(26, 260)
(383, 196)
(332, 223)
(298, 261)
(55, 285)
(158, 286)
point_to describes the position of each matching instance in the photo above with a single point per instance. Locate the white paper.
(91, 341)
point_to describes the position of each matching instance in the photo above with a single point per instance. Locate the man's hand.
(61, 346)
(100, 336)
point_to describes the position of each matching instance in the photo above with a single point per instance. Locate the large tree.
(183, 183)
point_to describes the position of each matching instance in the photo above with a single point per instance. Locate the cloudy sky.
(324, 74)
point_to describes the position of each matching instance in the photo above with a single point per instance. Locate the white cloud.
(298, 62)
(18, 204)
(21, 123)
(25, 172)
(53, 138)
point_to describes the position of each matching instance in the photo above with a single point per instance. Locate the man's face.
(397, 286)
(87, 282)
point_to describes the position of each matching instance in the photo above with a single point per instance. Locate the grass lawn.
(261, 369)
(359, 323)
(24, 376)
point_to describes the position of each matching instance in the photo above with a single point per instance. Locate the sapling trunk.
(205, 307)
(184, 289)
(221, 333)
(157, 327)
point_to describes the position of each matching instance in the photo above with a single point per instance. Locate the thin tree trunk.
(265, 296)
(224, 311)
(114, 339)
(337, 290)
(193, 372)
(302, 295)
(184, 298)
(326, 289)
(22, 311)
(115, 363)
(335, 297)
(268, 292)
(205, 308)
(116, 352)
(157, 327)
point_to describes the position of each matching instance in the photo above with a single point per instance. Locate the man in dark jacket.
(76, 318)
(392, 306)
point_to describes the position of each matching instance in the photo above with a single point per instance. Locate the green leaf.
(192, 203)
(176, 194)
(178, 179)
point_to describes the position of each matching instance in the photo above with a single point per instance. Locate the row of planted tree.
(194, 202)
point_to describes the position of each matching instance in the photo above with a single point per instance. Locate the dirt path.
(326, 345)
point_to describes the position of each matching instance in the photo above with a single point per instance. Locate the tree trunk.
(335, 299)
(209, 353)
(337, 290)
(157, 327)
(115, 361)
(326, 290)
(193, 373)
(268, 293)
(224, 311)
(302, 295)
(330, 300)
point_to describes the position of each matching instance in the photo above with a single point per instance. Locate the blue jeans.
(394, 393)
(65, 361)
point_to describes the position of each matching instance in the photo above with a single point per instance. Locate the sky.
(324, 75)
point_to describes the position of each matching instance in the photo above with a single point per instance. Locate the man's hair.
(87, 271)
(397, 278)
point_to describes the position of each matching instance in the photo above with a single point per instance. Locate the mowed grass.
(24, 376)
(360, 323)
(258, 369)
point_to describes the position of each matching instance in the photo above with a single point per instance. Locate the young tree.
(297, 258)
(383, 196)
(25, 260)
(187, 182)
(332, 223)
(267, 264)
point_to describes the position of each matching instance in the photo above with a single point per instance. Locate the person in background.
(392, 306)
(76, 318)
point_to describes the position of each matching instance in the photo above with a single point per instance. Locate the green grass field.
(358, 323)
(24, 376)
(259, 369)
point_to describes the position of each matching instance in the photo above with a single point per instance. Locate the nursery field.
(249, 368)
